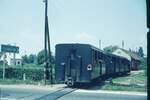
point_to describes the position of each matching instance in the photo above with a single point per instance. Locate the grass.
(136, 77)
(15, 81)
(129, 83)
(133, 78)
(123, 88)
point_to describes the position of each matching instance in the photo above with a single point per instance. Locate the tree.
(0, 54)
(144, 64)
(110, 49)
(140, 52)
(25, 59)
(41, 57)
(32, 58)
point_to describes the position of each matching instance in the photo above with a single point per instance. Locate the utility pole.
(47, 62)
(148, 43)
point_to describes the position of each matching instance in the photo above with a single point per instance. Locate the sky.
(73, 21)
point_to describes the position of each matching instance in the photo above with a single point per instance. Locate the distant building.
(10, 59)
(10, 53)
(132, 57)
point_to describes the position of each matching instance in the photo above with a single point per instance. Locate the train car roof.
(108, 54)
(72, 44)
(93, 47)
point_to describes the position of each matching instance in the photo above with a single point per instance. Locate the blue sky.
(75, 21)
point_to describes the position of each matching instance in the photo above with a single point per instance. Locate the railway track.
(57, 94)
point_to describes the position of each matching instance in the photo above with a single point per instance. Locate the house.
(10, 59)
(131, 56)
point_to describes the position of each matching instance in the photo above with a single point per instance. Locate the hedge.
(35, 74)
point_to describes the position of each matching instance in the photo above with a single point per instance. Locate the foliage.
(140, 52)
(31, 66)
(25, 59)
(35, 74)
(32, 58)
(110, 49)
(0, 54)
(29, 59)
(41, 57)
(143, 62)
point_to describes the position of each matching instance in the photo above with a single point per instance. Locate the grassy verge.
(136, 77)
(136, 81)
(123, 88)
(14, 81)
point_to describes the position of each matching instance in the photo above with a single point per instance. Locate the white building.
(131, 56)
(11, 59)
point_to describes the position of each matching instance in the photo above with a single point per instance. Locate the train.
(82, 63)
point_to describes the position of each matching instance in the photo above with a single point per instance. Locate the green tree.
(140, 52)
(25, 59)
(32, 58)
(144, 64)
(41, 57)
(110, 49)
(0, 54)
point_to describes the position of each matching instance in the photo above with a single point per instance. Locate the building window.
(18, 63)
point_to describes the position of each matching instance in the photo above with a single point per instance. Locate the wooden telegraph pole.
(148, 43)
(47, 62)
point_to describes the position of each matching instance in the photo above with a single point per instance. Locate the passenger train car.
(81, 63)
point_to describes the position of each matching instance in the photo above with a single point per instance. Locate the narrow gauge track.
(57, 94)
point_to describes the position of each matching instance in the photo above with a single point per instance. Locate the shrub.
(35, 74)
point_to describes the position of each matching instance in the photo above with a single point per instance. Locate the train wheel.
(70, 83)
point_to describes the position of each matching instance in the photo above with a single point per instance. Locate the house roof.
(132, 54)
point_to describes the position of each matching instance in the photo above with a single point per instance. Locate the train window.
(96, 55)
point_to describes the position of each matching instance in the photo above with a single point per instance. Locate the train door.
(102, 67)
(79, 68)
(73, 68)
(63, 65)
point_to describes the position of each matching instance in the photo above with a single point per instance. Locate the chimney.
(99, 44)
(122, 44)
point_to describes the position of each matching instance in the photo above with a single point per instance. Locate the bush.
(36, 74)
